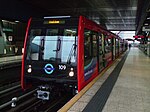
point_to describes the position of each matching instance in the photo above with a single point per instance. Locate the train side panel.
(90, 71)
(80, 64)
(110, 50)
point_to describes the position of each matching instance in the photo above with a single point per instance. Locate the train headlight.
(29, 69)
(71, 73)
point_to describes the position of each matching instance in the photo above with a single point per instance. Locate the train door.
(120, 48)
(114, 47)
(90, 54)
(100, 52)
(108, 51)
(117, 47)
(111, 43)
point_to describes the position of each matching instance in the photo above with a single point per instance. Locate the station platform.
(10, 61)
(123, 87)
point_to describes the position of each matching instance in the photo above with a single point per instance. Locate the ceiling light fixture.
(146, 24)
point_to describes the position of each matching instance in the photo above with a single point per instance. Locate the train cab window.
(34, 44)
(69, 45)
(52, 46)
(60, 48)
(52, 32)
(35, 32)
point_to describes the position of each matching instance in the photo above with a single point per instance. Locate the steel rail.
(17, 99)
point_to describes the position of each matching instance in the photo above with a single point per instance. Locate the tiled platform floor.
(131, 92)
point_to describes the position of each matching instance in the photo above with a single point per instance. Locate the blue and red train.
(66, 53)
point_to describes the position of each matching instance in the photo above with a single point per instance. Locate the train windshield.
(51, 46)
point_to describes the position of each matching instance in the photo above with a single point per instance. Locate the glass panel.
(53, 47)
(100, 45)
(50, 47)
(36, 32)
(108, 45)
(52, 32)
(87, 47)
(101, 61)
(94, 39)
(69, 46)
(70, 32)
(34, 44)
(117, 47)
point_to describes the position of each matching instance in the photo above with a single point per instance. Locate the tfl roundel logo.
(49, 68)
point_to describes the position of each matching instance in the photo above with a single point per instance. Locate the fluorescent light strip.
(57, 17)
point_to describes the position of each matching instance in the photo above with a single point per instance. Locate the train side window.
(94, 44)
(90, 46)
(87, 46)
(117, 43)
(107, 45)
(100, 45)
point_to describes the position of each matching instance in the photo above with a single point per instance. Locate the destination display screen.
(54, 22)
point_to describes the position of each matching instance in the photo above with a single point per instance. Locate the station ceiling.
(116, 15)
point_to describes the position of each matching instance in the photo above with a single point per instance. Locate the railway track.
(14, 97)
(15, 100)
(8, 87)
(10, 74)
(47, 106)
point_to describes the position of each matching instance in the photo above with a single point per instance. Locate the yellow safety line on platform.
(69, 104)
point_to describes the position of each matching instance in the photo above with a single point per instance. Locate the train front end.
(50, 56)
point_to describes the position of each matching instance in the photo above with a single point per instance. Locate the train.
(66, 53)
